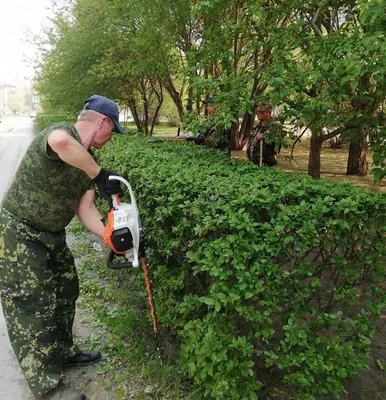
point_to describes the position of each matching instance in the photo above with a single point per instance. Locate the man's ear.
(101, 121)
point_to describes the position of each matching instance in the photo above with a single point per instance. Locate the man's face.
(264, 113)
(104, 132)
(211, 109)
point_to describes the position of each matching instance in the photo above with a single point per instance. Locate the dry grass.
(333, 162)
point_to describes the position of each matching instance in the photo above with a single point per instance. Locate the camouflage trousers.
(38, 288)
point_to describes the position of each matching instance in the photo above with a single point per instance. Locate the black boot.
(83, 359)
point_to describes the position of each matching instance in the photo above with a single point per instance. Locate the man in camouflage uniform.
(258, 134)
(38, 280)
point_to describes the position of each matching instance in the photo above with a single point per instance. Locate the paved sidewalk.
(15, 136)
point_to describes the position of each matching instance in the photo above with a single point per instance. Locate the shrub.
(267, 278)
(44, 120)
(337, 142)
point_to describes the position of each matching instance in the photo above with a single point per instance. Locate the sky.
(15, 17)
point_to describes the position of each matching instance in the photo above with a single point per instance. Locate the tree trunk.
(233, 139)
(245, 130)
(175, 96)
(160, 97)
(357, 156)
(145, 120)
(134, 113)
(189, 104)
(315, 152)
(233, 143)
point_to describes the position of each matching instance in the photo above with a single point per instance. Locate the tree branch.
(338, 131)
(298, 138)
(312, 22)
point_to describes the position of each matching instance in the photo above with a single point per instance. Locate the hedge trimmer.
(125, 237)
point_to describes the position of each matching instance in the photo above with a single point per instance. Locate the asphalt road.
(15, 136)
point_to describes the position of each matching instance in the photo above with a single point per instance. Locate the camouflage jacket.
(45, 191)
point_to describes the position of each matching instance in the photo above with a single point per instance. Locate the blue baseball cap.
(104, 106)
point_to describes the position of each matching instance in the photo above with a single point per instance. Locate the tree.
(323, 69)
(371, 15)
(101, 47)
(234, 49)
(357, 156)
(71, 48)
(322, 63)
(15, 102)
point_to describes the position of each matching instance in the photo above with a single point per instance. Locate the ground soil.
(333, 166)
(371, 384)
(87, 379)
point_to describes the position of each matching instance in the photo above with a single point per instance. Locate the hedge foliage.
(269, 279)
(44, 120)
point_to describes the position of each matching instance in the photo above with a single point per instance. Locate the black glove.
(106, 186)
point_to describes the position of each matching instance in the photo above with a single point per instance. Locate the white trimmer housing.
(126, 215)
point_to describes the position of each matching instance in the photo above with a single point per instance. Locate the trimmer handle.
(113, 265)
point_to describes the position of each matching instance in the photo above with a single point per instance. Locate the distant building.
(5, 90)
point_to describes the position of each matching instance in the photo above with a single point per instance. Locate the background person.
(258, 134)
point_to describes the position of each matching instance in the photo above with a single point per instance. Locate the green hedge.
(44, 120)
(269, 279)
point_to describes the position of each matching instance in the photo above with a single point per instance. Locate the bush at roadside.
(44, 120)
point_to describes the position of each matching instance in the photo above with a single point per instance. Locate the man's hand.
(106, 186)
